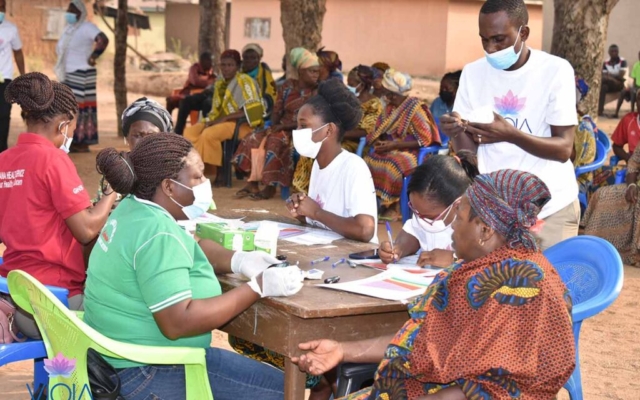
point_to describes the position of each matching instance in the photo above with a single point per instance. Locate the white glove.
(276, 282)
(251, 263)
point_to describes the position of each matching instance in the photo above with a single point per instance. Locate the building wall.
(148, 41)
(182, 26)
(243, 9)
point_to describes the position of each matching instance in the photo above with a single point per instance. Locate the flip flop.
(242, 193)
(259, 196)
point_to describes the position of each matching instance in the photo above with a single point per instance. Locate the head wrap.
(381, 66)
(255, 47)
(302, 58)
(509, 201)
(329, 59)
(232, 54)
(396, 81)
(148, 110)
(366, 74)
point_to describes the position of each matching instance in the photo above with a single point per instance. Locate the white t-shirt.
(539, 94)
(429, 241)
(345, 188)
(80, 47)
(9, 42)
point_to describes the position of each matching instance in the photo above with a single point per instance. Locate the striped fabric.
(83, 85)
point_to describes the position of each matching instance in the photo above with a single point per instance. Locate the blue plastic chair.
(604, 138)
(601, 155)
(361, 144)
(620, 175)
(30, 349)
(594, 278)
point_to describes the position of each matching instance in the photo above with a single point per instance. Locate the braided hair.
(140, 172)
(335, 103)
(41, 99)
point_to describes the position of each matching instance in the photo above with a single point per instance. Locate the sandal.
(260, 196)
(244, 192)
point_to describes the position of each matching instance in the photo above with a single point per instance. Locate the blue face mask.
(505, 58)
(1, 17)
(353, 90)
(71, 18)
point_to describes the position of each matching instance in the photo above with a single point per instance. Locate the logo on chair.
(59, 366)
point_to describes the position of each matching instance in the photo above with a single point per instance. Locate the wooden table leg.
(294, 381)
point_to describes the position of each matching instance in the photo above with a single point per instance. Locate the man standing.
(10, 47)
(532, 96)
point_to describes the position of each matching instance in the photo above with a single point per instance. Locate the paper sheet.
(190, 225)
(303, 235)
(390, 285)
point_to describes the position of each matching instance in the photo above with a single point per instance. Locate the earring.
(481, 242)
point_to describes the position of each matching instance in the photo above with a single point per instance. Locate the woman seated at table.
(278, 163)
(150, 283)
(232, 91)
(435, 189)
(45, 210)
(404, 126)
(494, 326)
(341, 193)
(359, 82)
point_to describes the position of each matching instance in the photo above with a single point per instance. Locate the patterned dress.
(498, 327)
(409, 122)
(278, 167)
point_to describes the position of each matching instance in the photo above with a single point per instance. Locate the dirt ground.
(609, 342)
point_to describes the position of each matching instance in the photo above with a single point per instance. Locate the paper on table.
(190, 225)
(389, 285)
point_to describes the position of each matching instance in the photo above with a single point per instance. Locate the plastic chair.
(604, 138)
(594, 279)
(228, 150)
(66, 335)
(361, 144)
(601, 155)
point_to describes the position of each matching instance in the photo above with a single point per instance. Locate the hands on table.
(322, 356)
(301, 205)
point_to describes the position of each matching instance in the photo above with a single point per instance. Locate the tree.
(120, 61)
(213, 21)
(301, 25)
(579, 36)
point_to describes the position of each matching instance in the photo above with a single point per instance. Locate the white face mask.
(431, 226)
(203, 199)
(66, 144)
(304, 144)
(505, 58)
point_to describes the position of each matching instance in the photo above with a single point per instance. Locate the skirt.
(83, 85)
(208, 140)
(278, 165)
(388, 171)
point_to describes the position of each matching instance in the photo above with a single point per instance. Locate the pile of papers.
(393, 284)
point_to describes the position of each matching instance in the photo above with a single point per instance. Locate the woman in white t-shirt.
(434, 190)
(341, 195)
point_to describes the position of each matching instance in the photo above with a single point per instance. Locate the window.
(54, 23)
(257, 28)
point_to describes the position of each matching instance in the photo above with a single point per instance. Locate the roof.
(142, 5)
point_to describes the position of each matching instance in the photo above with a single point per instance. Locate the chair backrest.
(592, 270)
(602, 137)
(601, 155)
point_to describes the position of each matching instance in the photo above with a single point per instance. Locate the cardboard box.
(229, 238)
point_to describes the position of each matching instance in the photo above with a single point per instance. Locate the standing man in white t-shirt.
(532, 96)
(10, 47)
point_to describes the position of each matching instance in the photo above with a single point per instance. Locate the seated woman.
(278, 165)
(404, 126)
(359, 82)
(233, 91)
(45, 210)
(435, 189)
(467, 334)
(447, 95)
(584, 142)
(330, 65)
(150, 283)
(381, 67)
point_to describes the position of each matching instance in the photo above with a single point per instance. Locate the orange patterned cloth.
(498, 327)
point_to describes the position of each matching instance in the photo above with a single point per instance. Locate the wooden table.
(279, 324)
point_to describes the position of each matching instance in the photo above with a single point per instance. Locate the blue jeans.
(231, 376)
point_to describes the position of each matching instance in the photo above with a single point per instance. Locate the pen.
(340, 261)
(319, 260)
(389, 234)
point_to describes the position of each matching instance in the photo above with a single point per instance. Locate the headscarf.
(509, 201)
(381, 66)
(396, 81)
(148, 110)
(366, 74)
(232, 54)
(60, 68)
(302, 58)
(255, 47)
(329, 59)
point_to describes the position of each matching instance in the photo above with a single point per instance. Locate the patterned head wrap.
(255, 47)
(302, 58)
(330, 59)
(396, 81)
(366, 74)
(232, 54)
(509, 201)
(381, 66)
(148, 110)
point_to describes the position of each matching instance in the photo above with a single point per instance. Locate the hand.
(498, 131)
(324, 355)
(307, 207)
(293, 202)
(436, 258)
(631, 194)
(251, 263)
(452, 124)
(384, 146)
(277, 282)
(387, 255)
(92, 61)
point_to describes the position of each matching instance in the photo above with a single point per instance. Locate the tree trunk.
(579, 36)
(301, 26)
(212, 27)
(120, 62)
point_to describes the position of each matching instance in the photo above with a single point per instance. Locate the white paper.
(390, 285)
(482, 115)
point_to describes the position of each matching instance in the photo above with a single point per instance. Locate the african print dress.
(371, 110)
(498, 327)
(410, 122)
(278, 167)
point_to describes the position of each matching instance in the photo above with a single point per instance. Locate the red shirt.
(627, 131)
(39, 189)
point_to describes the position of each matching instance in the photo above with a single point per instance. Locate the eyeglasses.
(443, 215)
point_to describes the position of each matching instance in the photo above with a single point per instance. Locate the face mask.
(431, 226)
(353, 90)
(1, 17)
(66, 144)
(505, 58)
(71, 18)
(447, 97)
(203, 199)
(304, 144)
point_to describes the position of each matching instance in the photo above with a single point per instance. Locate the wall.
(182, 24)
(149, 41)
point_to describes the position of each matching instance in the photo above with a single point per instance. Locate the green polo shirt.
(142, 263)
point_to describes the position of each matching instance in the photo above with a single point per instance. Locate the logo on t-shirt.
(319, 201)
(78, 189)
(509, 107)
(106, 236)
